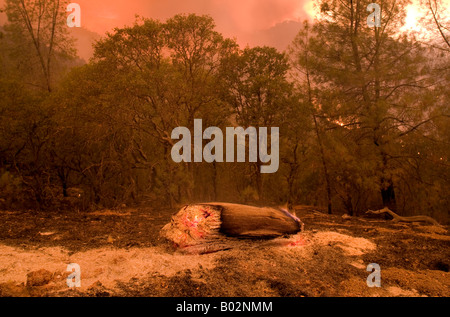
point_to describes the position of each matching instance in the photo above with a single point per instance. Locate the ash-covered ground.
(120, 253)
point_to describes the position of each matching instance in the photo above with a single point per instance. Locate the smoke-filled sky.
(233, 17)
(249, 21)
(253, 22)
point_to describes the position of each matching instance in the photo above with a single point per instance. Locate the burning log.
(209, 227)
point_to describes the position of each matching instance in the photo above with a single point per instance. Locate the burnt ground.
(120, 254)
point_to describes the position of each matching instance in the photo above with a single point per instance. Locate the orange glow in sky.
(414, 15)
(252, 22)
(236, 16)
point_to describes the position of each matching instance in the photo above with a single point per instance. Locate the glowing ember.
(192, 224)
(297, 243)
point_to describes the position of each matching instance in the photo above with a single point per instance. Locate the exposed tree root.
(397, 218)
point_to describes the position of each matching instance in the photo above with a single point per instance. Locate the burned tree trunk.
(210, 227)
(248, 221)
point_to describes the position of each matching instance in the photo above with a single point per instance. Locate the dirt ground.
(120, 254)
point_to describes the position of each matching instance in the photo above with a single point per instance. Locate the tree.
(25, 131)
(437, 21)
(96, 146)
(170, 71)
(370, 85)
(299, 50)
(41, 43)
(259, 92)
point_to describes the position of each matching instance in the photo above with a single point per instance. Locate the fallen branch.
(397, 218)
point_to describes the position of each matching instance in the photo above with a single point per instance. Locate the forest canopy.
(363, 112)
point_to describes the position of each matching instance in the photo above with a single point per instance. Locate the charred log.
(209, 227)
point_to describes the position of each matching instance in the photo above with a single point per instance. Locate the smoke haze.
(250, 22)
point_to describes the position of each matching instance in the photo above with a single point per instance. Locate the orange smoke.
(232, 16)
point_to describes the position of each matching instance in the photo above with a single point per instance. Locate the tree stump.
(210, 227)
